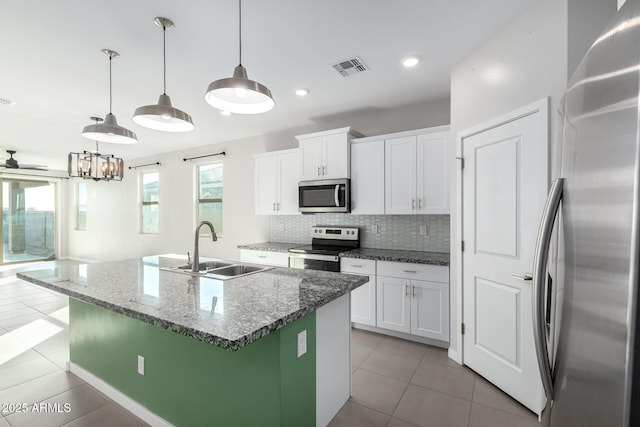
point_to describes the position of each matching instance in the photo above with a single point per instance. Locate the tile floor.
(395, 382)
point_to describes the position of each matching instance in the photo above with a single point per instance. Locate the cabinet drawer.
(359, 266)
(406, 270)
(280, 259)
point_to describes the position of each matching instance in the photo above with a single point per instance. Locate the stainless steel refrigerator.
(585, 307)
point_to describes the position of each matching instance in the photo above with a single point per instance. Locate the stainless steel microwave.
(329, 195)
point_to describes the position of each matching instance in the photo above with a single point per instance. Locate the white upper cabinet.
(433, 174)
(324, 155)
(417, 173)
(276, 183)
(367, 177)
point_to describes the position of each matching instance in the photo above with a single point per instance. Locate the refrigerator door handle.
(539, 274)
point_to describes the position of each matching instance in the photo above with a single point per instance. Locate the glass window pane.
(211, 212)
(82, 193)
(81, 218)
(150, 187)
(150, 218)
(210, 181)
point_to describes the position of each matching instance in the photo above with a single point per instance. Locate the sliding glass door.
(28, 220)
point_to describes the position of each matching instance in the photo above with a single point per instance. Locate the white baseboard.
(120, 398)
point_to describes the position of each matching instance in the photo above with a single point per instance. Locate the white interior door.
(504, 189)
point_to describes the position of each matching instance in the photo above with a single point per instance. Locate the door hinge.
(462, 328)
(461, 162)
(462, 245)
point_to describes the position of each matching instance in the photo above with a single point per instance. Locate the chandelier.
(95, 166)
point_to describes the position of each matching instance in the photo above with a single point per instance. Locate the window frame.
(205, 232)
(142, 203)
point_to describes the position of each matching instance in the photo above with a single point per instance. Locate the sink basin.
(206, 265)
(233, 271)
(203, 267)
(217, 269)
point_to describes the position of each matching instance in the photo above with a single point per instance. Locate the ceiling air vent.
(6, 102)
(351, 66)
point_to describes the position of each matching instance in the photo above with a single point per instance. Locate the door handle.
(540, 258)
(324, 170)
(413, 203)
(413, 291)
(419, 203)
(318, 170)
(335, 195)
(406, 290)
(277, 206)
(526, 277)
(274, 206)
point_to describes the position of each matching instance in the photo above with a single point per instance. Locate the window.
(209, 195)
(149, 208)
(81, 206)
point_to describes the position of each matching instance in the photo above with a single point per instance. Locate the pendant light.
(163, 116)
(109, 131)
(95, 166)
(238, 94)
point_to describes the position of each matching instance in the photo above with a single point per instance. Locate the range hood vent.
(351, 66)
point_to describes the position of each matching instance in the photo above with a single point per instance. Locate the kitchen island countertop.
(270, 246)
(229, 314)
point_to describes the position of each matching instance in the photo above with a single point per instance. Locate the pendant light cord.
(110, 85)
(164, 56)
(240, 31)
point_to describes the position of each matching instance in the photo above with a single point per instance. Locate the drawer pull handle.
(410, 271)
(356, 265)
(262, 256)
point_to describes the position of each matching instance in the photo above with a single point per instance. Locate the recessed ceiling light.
(302, 92)
(225, 113)
(410, 61)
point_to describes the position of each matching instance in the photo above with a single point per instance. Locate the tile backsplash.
(400, 232)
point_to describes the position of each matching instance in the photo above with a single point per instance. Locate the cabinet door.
(400, 175)
(288, 184)
(367, 178)
(266, 185)
(433, 174)
(393, 304)
(311, 154)
(430, 309)
(336, 156)
(363, 302)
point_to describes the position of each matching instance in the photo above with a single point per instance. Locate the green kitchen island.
(266, 349)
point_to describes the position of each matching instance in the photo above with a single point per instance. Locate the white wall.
(523, 63)
(112, 207)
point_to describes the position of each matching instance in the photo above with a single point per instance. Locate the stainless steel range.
(326, 244)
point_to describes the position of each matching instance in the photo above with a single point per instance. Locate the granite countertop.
(229, 314)
(416, 257)
(270, 246)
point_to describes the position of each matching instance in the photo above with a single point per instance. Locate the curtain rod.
(222, 153)
(33, 174)
(141, 166)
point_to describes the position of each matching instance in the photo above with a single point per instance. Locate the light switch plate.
(302, 343)
(140, 365)
(374, 229)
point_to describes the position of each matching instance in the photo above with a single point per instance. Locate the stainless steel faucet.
(196, 253)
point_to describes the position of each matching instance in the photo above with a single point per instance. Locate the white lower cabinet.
(363, 298)
(280, 259)
(415, 300)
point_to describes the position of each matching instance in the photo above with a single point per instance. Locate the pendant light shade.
(163, 116)
(238, 94)
(110, 130)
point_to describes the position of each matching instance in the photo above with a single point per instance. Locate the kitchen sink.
(218, 269)
(206, 265)
(236, 270)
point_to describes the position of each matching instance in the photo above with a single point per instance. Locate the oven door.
(331, 195)
(314, 262)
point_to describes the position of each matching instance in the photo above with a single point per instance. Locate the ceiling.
(53, 69)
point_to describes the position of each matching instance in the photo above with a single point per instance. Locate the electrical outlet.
(424, 230)
(281, 226)
(302, 343)
(140, 365)
(375, 229)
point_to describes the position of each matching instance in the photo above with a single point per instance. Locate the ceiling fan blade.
(34, 167)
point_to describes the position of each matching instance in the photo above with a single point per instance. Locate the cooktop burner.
(330, 240)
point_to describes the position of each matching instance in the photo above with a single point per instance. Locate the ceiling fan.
(12, 163)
